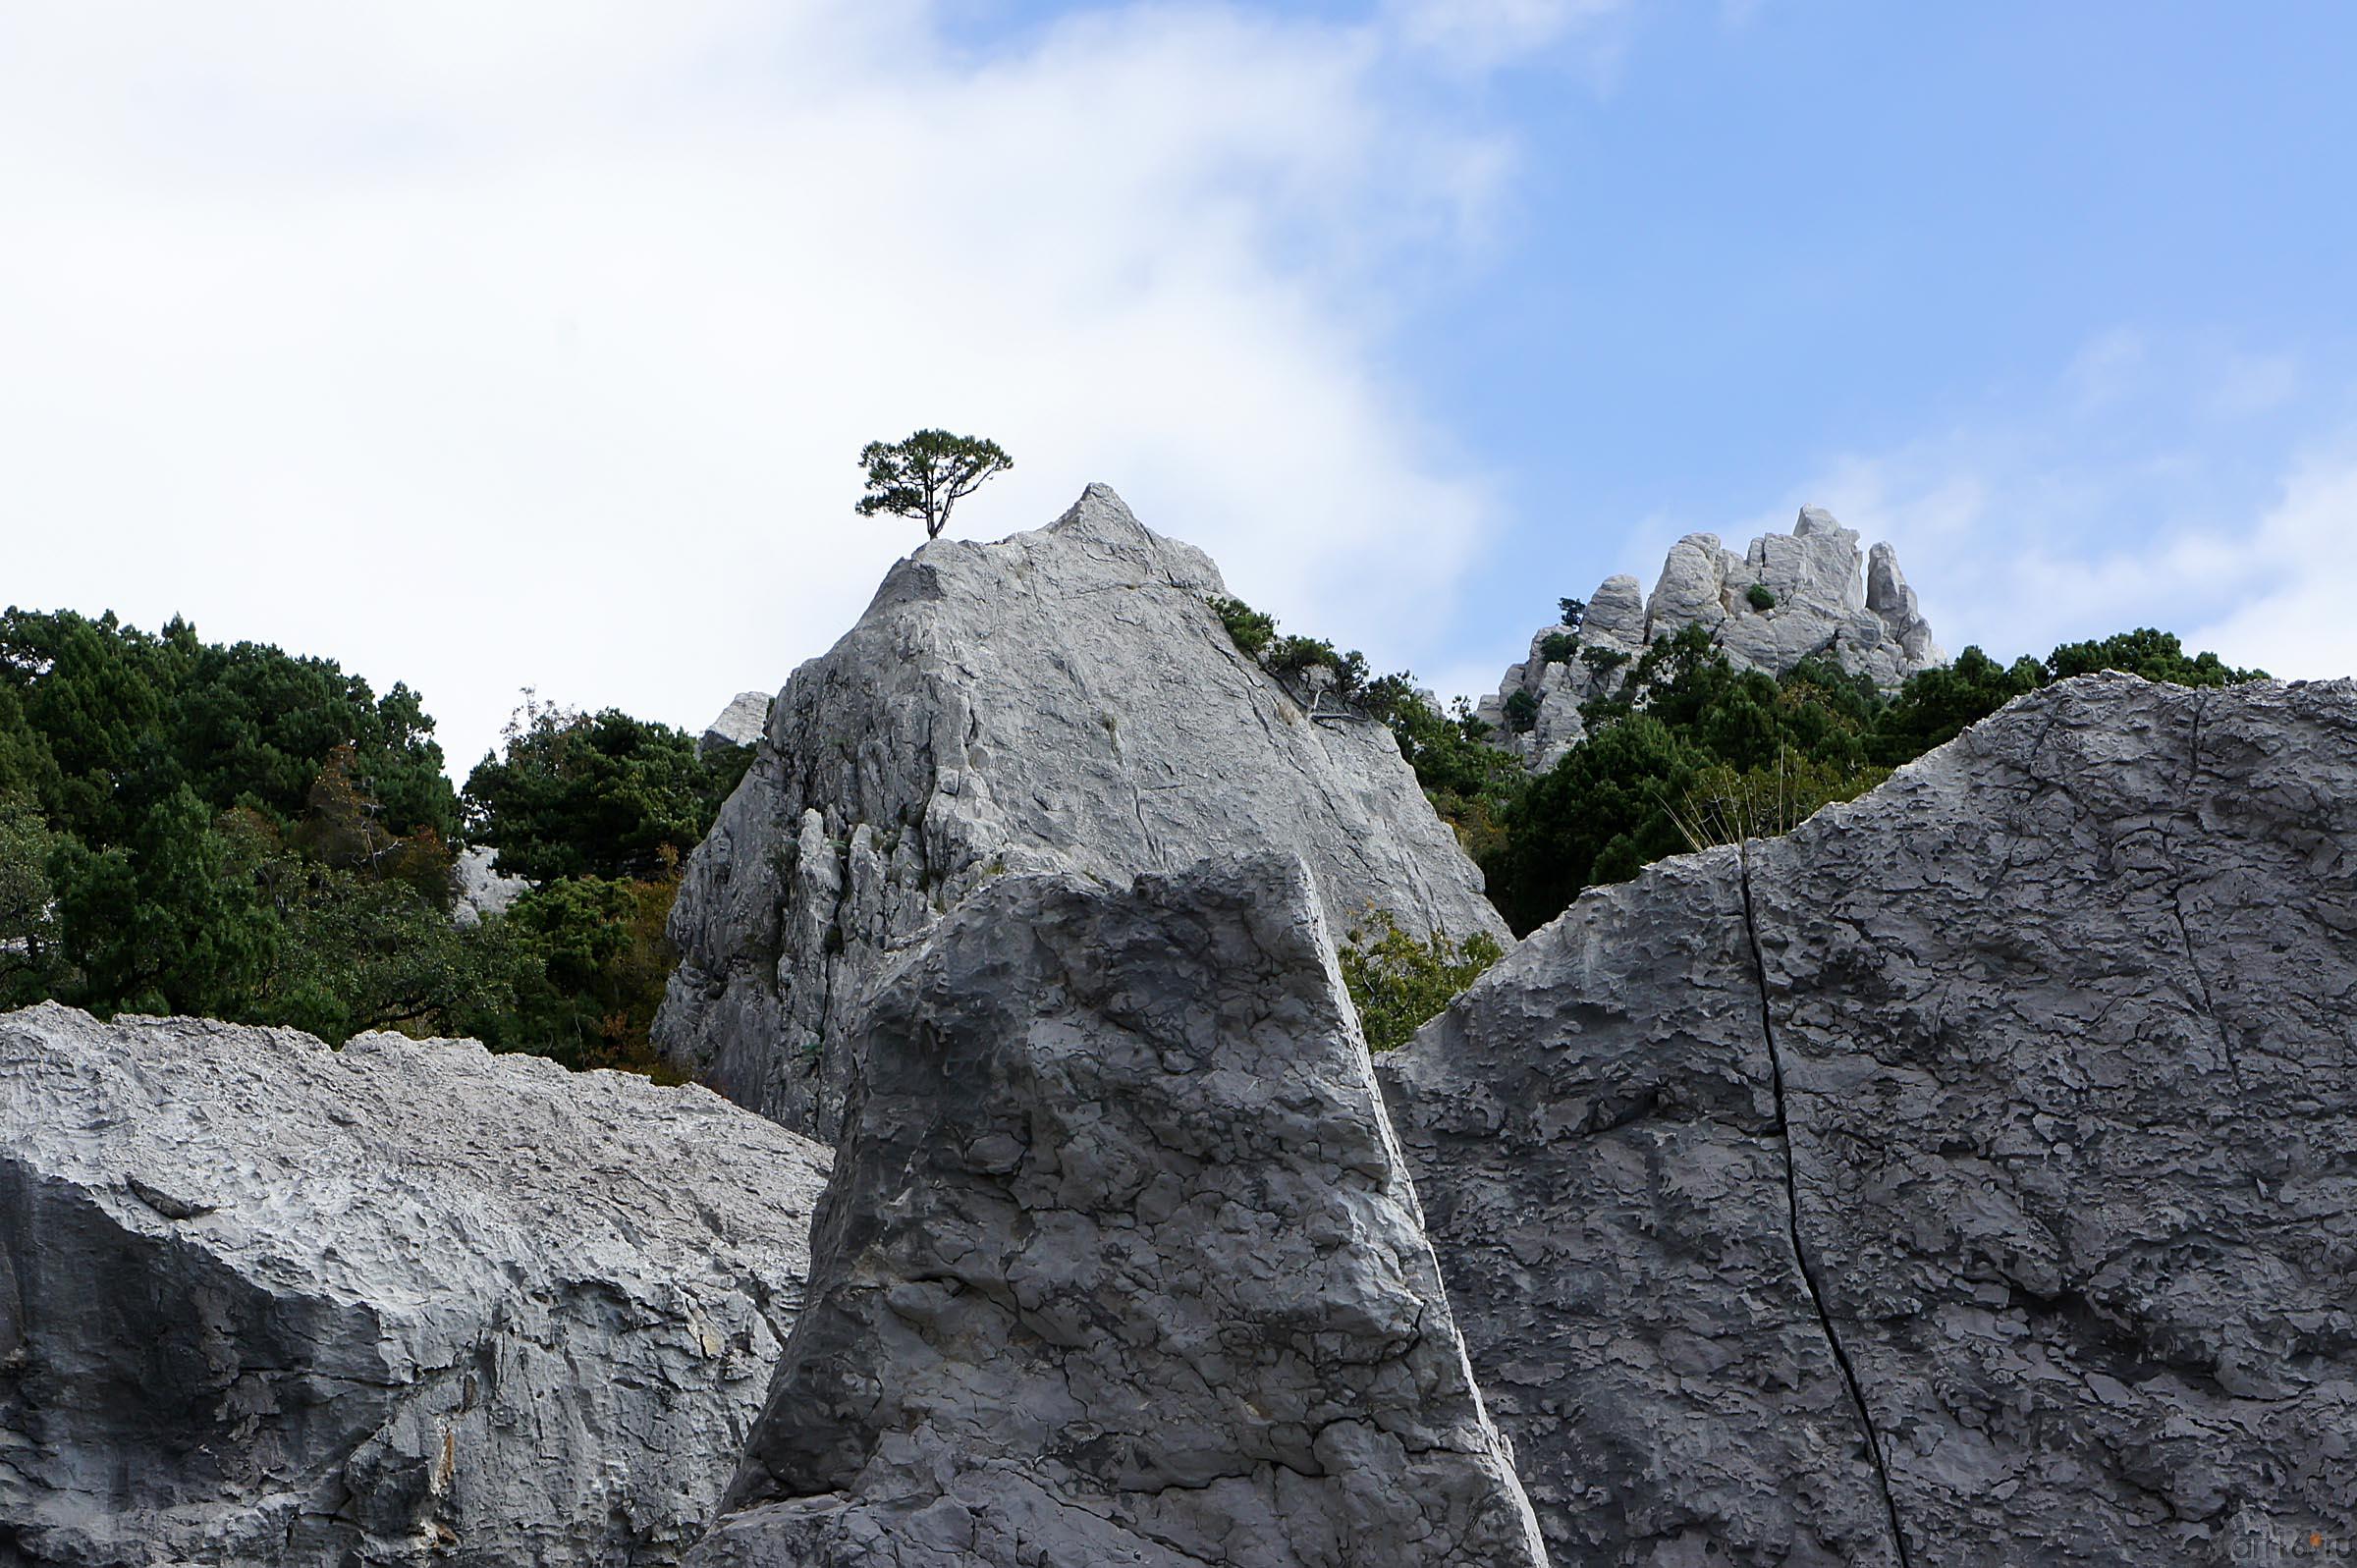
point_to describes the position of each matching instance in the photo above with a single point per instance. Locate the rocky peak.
(1063, 700)
(1121, 1264)
(740, 723)
(1789, 596)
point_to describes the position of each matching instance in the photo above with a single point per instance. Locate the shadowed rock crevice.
(1868, 1438)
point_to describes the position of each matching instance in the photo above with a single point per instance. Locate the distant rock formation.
(481, 890)
(1120, 1264)
(1063, 700)
(397, 1303)
(740, 723)
(1815, 603)
(1968, 1177)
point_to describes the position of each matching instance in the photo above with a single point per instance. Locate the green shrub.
(1521, 713)
(1249, 630)
(1399, 982)
(1558, 647)
(1761, 596)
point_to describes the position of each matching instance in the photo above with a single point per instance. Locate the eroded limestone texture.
(262, 1302)
(1122, 1265)
(1965, 1178)
(1824, 598)
(1065, 699)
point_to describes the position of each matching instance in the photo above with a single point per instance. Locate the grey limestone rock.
(264, 1302)
(1822, 606)
(741, 724)
(1120, 1264)
(1065, 699)
(481, 890)
(1966, 1178)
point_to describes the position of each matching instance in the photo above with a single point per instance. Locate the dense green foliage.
(237, 831)
(240, 833)
(1249, 630)
(1686, 751)
(1397, 982)
(1760, 596)
(595, 794)
(927, 474)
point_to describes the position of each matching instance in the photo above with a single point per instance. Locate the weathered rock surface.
(1829, 600)
(1065, 699)
(262, 1302)
(1969, 1177)
(1122, 1265)
(741, 724)
(482, 890)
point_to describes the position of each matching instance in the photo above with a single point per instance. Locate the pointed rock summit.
(740, 723)
(1120, 1264)
(1811, 593)
(1063, 700)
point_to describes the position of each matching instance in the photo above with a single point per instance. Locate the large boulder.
(404, 1303)
(1969, 1177)
(1122, 1265)
(1065, 700)
(1821, 597)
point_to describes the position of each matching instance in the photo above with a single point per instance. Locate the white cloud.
(2301, 627)
(1482, 35)
(2133, 491)
(531, 343)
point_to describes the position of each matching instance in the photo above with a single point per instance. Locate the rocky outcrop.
(1812, 601)
(1969, 1177)
(403, 1303)
(1065, 699)
(740, 723)
(1120, 1264)
(481, 888)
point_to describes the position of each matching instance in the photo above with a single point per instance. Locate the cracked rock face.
(1829, 600)
(266, 1302)
(1065, 699)
(1122, 1265)
(1965, 1178)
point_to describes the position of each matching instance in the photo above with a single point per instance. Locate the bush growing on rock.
(1760, 597)
(1400, 982)
(1250, 630)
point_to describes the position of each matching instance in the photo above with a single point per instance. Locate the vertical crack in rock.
(1800, 1252)
(2176, 901)
(2095, 1283)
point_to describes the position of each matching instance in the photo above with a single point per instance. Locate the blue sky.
(489, 348)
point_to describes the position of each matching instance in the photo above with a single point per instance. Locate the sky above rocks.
(489, 348)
